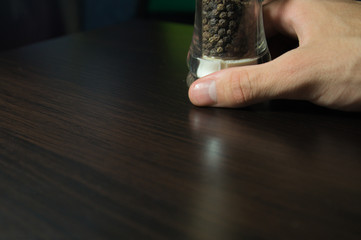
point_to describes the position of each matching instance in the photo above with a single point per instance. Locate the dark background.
(23, 22)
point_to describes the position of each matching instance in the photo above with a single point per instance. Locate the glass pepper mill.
(227, 33)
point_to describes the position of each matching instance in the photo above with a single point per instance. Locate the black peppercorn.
(230, 7)
(206, 35)
(215, 13)
(229, 48)
(226, 39)
(231, 15)
(214, 30)
(213, 52)
(205, 28)
(221, 32)
(220, 43)
(213, 22)
(232, 24)
(222, 23)
(220, 7)
(208, 46)
(216, 37)
(223, 15)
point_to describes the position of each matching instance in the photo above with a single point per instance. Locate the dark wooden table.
(99, 141)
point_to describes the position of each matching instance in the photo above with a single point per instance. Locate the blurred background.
(23, 22)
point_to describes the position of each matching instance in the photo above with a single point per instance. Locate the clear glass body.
(227, 33)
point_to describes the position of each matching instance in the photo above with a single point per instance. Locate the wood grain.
(99, 141)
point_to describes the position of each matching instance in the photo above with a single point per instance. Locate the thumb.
(287, 77)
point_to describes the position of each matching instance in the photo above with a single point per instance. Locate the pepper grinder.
(227, 33)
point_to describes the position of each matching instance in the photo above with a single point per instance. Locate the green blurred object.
(171, 6)
(181, 11)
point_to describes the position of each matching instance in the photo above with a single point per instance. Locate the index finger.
(279, 17)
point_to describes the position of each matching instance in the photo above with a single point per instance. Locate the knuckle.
(241, 87)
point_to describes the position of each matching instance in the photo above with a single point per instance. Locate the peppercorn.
(214, 30)
(213, 52)
(221, 32)
(229, 48)
(205, 28)
(206, 35)
(220, 43)
(222, 23)
(213, 22)
(232, 25)
(226, 39)
(223, 15)
(231, 15)
(215, 13)
(220, 7)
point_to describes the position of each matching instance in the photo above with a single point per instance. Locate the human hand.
(325, 69)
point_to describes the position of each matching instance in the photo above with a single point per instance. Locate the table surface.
(99, 141)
